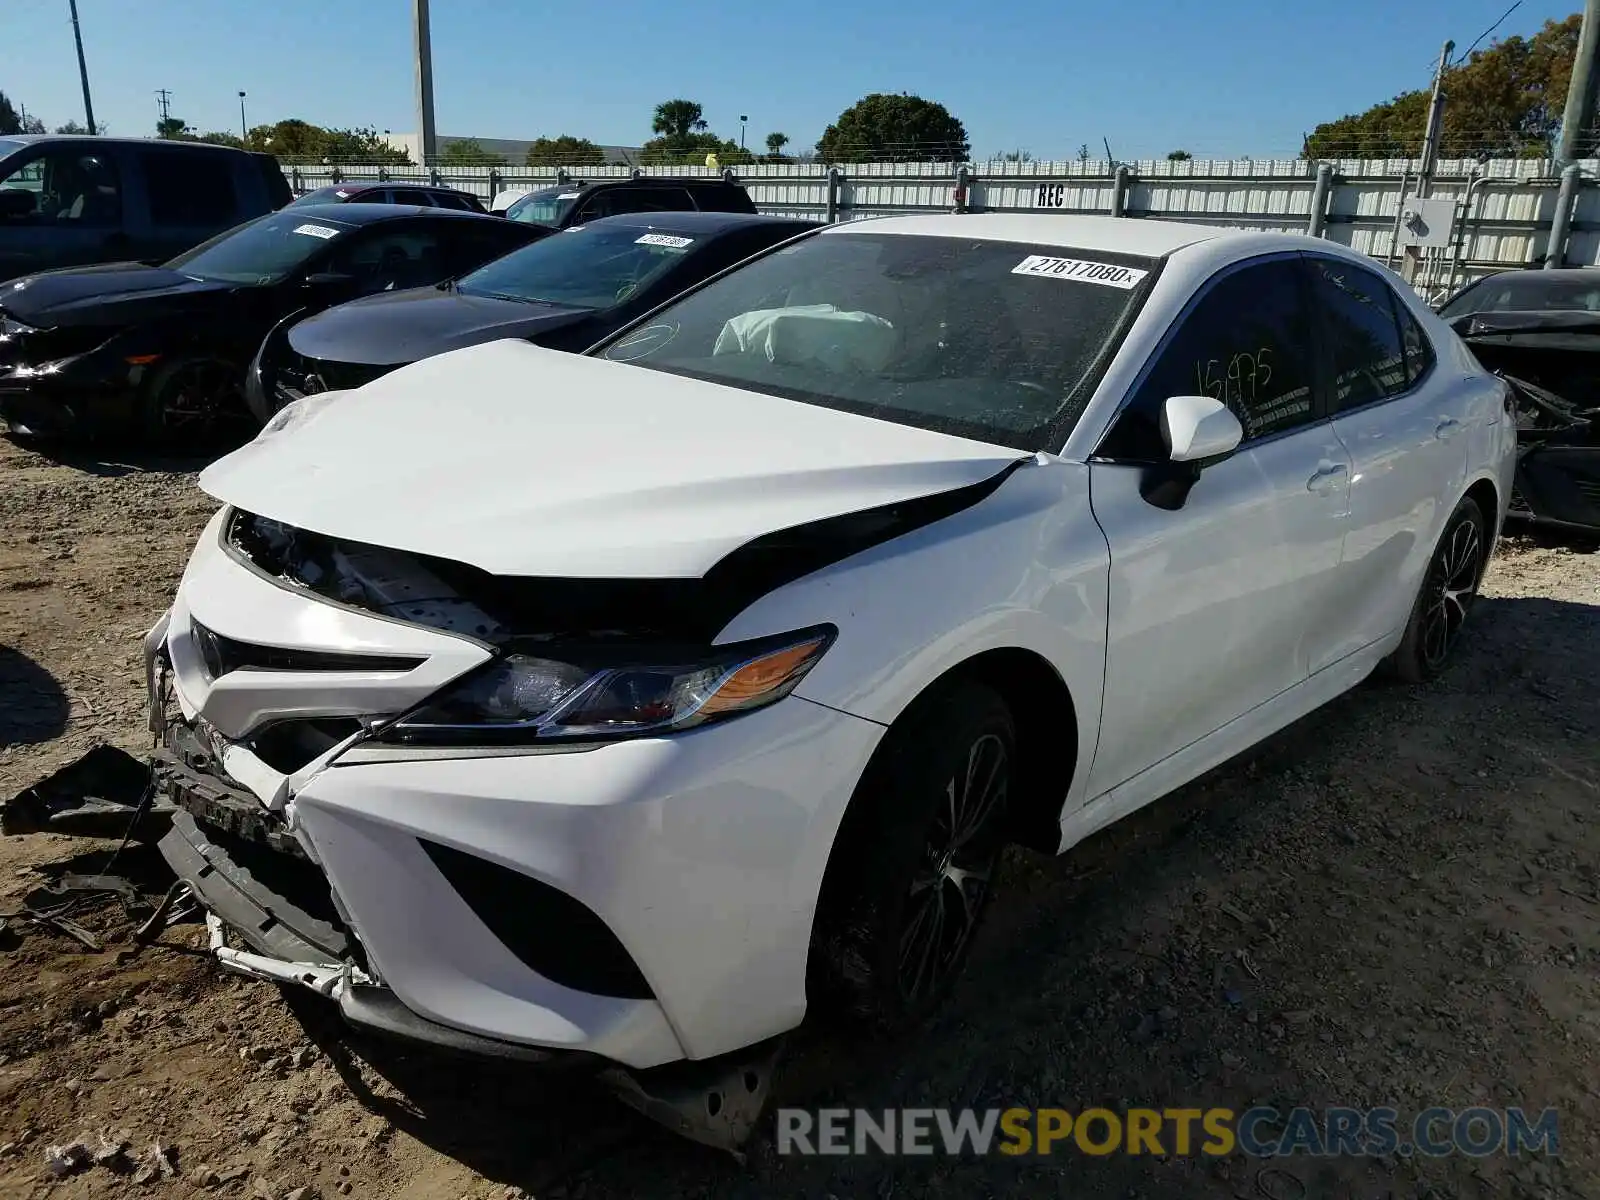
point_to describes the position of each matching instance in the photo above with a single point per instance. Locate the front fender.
(1025, 568)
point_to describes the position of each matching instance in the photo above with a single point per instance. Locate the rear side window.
(1414, 342)
(189, 189)
(1365, 356)
(724, 199)
(1246, 342)
(459, 202)
(413, 196)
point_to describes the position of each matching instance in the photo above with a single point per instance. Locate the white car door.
(1222, 603)
(1403, 419)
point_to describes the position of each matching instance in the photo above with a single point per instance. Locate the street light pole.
(742, 120)
(244, 131)
(83, 69)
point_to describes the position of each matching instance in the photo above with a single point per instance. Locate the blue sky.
(1219, 79)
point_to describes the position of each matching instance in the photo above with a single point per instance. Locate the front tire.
(916, 862)
(1449, 587)
(195, 403)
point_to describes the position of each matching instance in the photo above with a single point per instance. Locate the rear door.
(192, 195)
(1222, 603)
(1403, 423)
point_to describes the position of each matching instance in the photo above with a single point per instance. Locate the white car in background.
(635, 703)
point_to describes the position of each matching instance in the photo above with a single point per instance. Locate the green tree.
(10, 119)
(1016, 156)
(1083, 153)
(469, 152)
(775, 144)
(1506, 99)
(1179, 156)
(171, 128)
(678, 120)
(564, 151)
(221, 138)
(74, 127)
(293, 138)
(895, 128)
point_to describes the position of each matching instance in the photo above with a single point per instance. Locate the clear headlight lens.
(523, 698)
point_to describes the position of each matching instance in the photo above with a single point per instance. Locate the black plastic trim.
(548, 931)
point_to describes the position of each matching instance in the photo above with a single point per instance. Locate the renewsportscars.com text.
(1260, 1132)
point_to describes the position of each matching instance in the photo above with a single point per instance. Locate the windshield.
(265, 250)
(995, 341)
(547, 206)
(592, 267)
(1534, 291)
(326, 195)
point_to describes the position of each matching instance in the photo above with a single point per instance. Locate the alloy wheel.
(202, 402)
(952, 878)
(1452, 586)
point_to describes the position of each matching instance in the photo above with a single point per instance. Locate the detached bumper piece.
(101, 794)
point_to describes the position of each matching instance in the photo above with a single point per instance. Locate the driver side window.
(69, 186)
(1248, 343)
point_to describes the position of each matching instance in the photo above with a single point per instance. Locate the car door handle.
(1327, 477)
(1447, 429)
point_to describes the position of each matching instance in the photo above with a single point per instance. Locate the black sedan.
(423, 195)
(566, 291)
(161, 352)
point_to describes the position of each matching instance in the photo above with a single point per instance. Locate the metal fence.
(1504, 210)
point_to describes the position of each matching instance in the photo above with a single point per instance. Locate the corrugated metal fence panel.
(1505, 224)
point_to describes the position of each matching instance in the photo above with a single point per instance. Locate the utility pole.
(164, 102)
(83, 68)
(1578, 115)
(1430, 153)
(424, 81)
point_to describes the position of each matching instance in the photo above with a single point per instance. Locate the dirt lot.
(1395, 902)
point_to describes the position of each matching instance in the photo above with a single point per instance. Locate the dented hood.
(526, 461)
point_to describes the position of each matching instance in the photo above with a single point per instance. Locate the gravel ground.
(1393, 902)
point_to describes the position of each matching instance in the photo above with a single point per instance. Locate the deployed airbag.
(811, 335)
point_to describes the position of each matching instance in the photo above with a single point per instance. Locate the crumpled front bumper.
(463, 879)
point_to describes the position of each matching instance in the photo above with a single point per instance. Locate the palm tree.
(775, 144)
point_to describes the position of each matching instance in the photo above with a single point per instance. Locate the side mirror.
(17, 202)
(1198, 429)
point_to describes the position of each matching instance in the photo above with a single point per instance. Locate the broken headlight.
(523, 698)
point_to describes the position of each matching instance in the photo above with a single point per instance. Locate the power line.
(1489, 30)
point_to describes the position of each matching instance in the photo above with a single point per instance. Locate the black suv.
(68, 201)
(578, 202)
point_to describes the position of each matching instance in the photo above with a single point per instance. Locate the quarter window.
(1418, 350)
(1247, 343)
(1365, 355)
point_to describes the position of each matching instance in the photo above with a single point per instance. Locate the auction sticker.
(316, 231)
(663, 239)
(1107, 274)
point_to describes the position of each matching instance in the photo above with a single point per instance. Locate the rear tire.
(916, 861)
(1449, 587)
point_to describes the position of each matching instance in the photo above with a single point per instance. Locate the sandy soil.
(1397, 901)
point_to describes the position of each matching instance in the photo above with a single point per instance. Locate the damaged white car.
(619, 709)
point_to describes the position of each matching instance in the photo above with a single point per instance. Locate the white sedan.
(634, 703)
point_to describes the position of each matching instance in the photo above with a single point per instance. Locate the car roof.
(697, 222)
(371, 185)
(688, 181)
(356, 213)
(95, 138)
(1153, 239)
